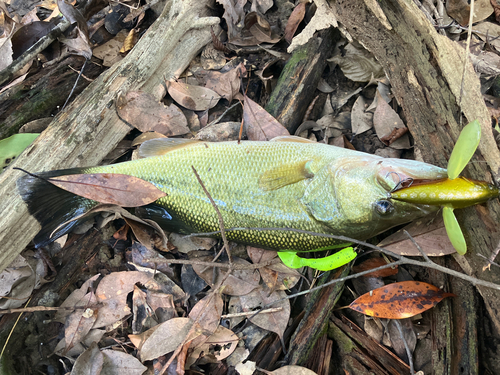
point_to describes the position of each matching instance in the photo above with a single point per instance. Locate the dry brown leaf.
(140, 310)
(142, 111)
(219, 345)
(361, 121)
(162, 305)
(76, 298)
(90, 362)
(207, 313)
(117, 362)
(385, 120)
(238, 283)
(176, 330)
(79, 323)
(323, 18)
(372, 263)
(276, 276)
(110, 188)
(259, 124)
(81, 44)
(196, 98)
(129, 42)
(275, 321)
(112, 292)
(431, 237)
(109, 52)
(233, 14)
(227, 85)
(261, 6)
(294, 20)
(460, 9)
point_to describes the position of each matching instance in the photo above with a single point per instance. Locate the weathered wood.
(360, 353)
(298, 80)
(317, 312)
(40, 95)
(89, 128)
(425, 73)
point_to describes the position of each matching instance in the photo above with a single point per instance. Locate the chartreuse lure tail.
(340, 258)
(453, 192)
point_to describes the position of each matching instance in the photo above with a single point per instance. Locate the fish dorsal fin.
(286, 174)
(291, 138)
(160, 146)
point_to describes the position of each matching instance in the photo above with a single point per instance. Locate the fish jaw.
(362, 188)
(457, 193)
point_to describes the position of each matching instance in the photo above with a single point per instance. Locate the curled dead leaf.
(196, 98)
(110, 188)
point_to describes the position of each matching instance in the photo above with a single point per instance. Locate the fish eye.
(384, 207)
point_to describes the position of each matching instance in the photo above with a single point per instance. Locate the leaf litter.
(152, 293)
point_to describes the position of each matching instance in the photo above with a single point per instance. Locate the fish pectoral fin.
(454, 231)
(291, 138)
(161, 146)
(319, 198)
(284, 175)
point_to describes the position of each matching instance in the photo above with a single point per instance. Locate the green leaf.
(328, 263)
(12, 147)
(464, 148)
(454, 231)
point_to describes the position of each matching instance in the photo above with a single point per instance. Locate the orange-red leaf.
(112, 188)
(399, 300)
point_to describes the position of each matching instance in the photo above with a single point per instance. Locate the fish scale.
(232, 181)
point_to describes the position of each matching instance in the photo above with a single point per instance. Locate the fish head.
(362, 189)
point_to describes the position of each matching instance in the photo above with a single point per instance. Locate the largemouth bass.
(286, 183)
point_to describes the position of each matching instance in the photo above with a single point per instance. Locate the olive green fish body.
(306, 186)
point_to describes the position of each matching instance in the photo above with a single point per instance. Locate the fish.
(262, 190)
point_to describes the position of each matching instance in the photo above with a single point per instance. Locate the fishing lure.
(454, 191)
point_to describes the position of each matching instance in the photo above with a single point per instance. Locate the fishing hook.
(400, 182)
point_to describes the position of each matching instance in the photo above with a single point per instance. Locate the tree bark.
(89, 128)
(40, 95)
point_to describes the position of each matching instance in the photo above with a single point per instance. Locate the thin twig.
(407, 348)
(74, 86)
(8, 73)
(247, 313)
(402, 259)
(221, 116)
(221, 221)
(235, 266)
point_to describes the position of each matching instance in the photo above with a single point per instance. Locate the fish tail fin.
(52, 206)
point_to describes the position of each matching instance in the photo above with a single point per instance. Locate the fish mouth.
(396, 174)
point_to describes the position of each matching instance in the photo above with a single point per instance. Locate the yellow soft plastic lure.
(453, 192)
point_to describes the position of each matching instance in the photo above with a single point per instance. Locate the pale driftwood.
(89, 128)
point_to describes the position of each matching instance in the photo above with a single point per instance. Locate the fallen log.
(89, 128)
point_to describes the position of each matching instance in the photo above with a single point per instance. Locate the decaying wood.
(298, 81)
(317, 312)
(40, 95)
(89, 128)
(425, 73)
(361, 354)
